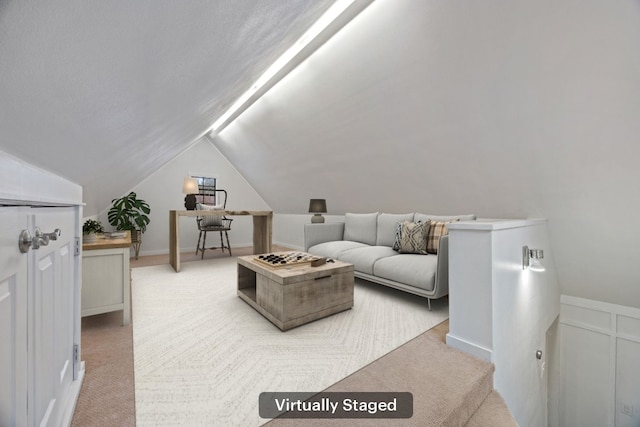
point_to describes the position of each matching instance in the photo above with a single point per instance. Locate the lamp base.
(317, 219)
(190, 202)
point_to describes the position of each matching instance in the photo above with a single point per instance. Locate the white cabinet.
(106, 277)
(40, 373)
(13, 320)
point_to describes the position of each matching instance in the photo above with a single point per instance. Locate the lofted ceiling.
(499, 108)
(104, 93)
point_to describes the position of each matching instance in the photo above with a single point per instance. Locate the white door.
(13, 318)
(51, 317)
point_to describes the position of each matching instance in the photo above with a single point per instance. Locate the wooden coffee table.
(293, 296)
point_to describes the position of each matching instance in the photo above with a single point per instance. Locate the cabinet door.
(52, 321)
(13, 318)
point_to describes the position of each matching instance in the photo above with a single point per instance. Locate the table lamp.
(190, 188)
(317, 207)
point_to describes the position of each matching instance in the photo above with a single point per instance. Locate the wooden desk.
(105, 277)
(262, 230)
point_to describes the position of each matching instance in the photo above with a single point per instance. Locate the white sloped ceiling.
(503, 109)
(105, 92)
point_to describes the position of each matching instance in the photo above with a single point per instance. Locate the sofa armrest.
(315, 234)
(442, 270)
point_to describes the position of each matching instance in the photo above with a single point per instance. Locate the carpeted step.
(448, 386)
(492, 412)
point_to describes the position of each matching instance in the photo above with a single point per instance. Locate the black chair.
(219, 223)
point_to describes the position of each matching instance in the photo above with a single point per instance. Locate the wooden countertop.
(104, 243)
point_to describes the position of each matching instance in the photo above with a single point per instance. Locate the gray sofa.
(367, 240)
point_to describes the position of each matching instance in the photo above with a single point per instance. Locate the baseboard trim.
(289, 245)
(235, 245)
(70, 408)
(469, 348)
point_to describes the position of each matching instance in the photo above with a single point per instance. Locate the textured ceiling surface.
(104, 93)
(498, 108)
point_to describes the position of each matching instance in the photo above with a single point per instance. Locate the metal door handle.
(40, 239)
(26, 241)
(51, 236)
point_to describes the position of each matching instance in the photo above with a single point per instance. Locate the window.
(206, 190)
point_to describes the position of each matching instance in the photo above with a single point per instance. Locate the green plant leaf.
(129, 212)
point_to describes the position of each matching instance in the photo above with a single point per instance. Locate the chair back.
(215, 197)
(217, 201)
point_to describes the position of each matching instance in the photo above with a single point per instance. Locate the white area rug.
(202, 355)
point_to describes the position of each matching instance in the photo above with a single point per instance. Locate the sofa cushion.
(361, 227)
(436, 229)
(410, 269)
(334, 249)
(386, 232)
(411, 237)
(426, 217)
(363, 259)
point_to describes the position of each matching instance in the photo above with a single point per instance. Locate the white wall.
(163, 191)
(502, 313)
(499, 108)
(23, 182)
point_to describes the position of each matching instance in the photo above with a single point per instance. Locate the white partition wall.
(501, 312)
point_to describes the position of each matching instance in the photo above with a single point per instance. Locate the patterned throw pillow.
(436, 229)
(396, 242)
(210, 220)
(411, 237)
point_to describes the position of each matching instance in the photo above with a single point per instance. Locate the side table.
(106, 277)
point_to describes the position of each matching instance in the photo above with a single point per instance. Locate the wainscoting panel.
(600, 364)
(627, 383)
(585, 368)
(629, 326)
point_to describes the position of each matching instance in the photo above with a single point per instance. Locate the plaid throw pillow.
(411, 237)
(210, 220)
(436, 229)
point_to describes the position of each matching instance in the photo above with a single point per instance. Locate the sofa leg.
(429, 303)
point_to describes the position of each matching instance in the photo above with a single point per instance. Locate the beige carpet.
(447, 385)
(202, 355)
(107, 393)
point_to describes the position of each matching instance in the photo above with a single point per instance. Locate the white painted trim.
(600, 306)
(76, 385)
(487, 224)
(192, 249)
(470, 348)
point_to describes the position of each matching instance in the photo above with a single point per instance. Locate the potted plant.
(90, 230)
(130, 213)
